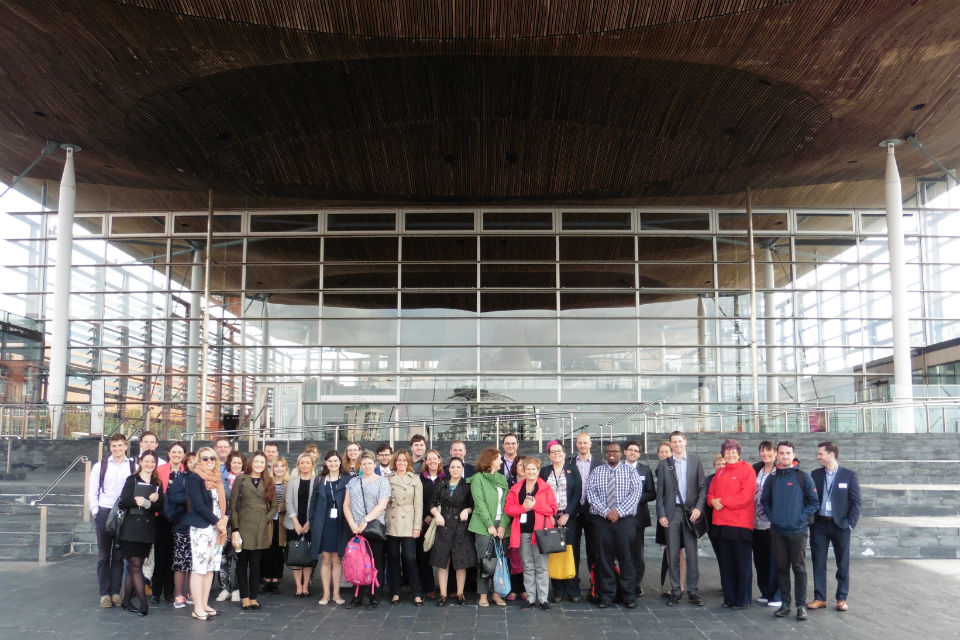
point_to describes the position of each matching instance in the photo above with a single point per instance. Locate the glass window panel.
(517, 220)
(671, 359)
(438, 359)
(198, 223)
(811, 221)
(670, 248)
(603, 359)
(465, 301)
(435, 388)
(673, 330)
(519, 331)
(679, 220)
(270, 308)
(873, 223)
(270, 277)
(682, 275)
(596, 248)
(596, 276)
(358, 332)
(505, 301)
(132, 251)
(599, 389)
(439, 221)
(676, 389)
(361, 221)
(613, 331)
(823, 249)
(359, 359)
(284, 222)
(505, 393)
(357, 386)
(518, 275)
(438, 331)
(609, 303)
(90, 224)
(596, 220)
(146, 224)
(687, 307)
(351, 305)
(762, 221)
(362, 249)
(439, 248)
(518, 248)
(541, 359)
(368, 275)
(438, 276)
(278, 250)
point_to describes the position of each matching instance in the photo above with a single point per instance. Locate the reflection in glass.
(541, 359)
(521, 331)
(603, 359)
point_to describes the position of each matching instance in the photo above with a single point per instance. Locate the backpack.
(103, 470)
(358, 566)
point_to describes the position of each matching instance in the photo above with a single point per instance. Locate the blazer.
(595, 461)
(574, 486)
(291, 498)
(845, 497)
(200, 504)
(251, 513)
(405, 509)
(544, 508)
(649, 494)
(667, 485)
(139, 525)
(320, 508)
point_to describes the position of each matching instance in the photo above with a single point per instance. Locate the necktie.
(612, 491)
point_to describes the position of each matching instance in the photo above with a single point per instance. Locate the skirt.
(205, 553)
(181, 551)
(134, 549)
(330, 536)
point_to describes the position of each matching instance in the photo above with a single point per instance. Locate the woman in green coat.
(489, 490)
(253, 502)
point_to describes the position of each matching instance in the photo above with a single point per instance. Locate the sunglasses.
(208, 458)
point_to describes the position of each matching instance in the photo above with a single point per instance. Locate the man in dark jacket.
(789, 499)
(648, 494)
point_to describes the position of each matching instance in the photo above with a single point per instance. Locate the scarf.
(212, 480)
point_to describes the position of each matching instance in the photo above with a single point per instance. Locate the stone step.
(914, 537)
(23, 552)
(24, 524)
(910, 500)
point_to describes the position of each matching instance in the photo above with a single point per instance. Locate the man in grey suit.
(681, 486)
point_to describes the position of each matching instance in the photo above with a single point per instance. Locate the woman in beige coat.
(252, 505)
(404, 515)
(298, 495)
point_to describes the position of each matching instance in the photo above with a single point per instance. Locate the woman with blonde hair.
(297, 496)
(404, 519)
(272, 569)
(207, 518)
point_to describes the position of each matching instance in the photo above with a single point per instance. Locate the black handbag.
(298, 552)
(374, 529)
(488, 563)
(115, 519)
(551, 540)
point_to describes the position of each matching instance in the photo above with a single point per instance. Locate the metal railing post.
(496, 442)
(429, 433)
(9, 453)
(43, 535)
(86, 485)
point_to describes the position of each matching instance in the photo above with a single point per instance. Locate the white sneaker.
(761, 601)
(223, 595)
(774, 603)
(235, 596)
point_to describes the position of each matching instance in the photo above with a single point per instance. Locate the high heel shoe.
(461, 600)
(441, 601)
(418, 602)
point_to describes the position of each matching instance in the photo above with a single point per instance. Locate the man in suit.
(585, 463)
(614, 491)
(648, 493)
(838, 513)
(510, 444)
(458, 449)
(681, 489)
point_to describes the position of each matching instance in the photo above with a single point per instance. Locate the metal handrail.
(63, 474)
(10, 437)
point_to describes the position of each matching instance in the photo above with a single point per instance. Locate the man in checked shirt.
(613, 491)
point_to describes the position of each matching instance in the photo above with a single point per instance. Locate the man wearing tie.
(614, 490)
(681, 489)
(838, 513)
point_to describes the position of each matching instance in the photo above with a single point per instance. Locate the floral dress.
(205, 552)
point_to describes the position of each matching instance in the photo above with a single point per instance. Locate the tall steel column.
(902, 366)
(193, 343)
(60, 324)
(770, 329)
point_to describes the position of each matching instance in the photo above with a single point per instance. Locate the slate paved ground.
(890, 599)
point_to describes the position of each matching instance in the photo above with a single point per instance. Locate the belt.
(829, 518)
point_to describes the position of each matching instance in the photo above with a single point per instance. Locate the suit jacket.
(649, 494)
(845, 498)
(251, 514)
(595, 461)
(667, 485)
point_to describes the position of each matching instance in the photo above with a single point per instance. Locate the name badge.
(827, 506)
(333, 513)
(523, 518)
(842, 485)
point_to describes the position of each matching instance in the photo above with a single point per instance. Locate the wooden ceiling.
(457, 101)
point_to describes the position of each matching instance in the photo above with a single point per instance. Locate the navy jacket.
(789, 499)
(175, 502)
(201, 513)
(319, 509)
(574, 485)
(845, 497)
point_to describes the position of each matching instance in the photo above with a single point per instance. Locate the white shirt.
(117, 474)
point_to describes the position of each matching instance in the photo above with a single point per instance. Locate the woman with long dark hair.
(272, 565)
(142, 496)
(431, 474)
(252, 505)
(175, 507)
(453, 547)
(326, 523)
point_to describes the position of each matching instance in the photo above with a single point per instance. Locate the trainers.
(235, 596)
(762, 601)
(105, 602)
(223, 595)
(774, 603)
(545, 606)
(782, 612)
(801, 613)
(116, 599)
(189, 599)
(179, 602)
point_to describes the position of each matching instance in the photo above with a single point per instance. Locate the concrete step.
(903, 471)
(913, 537)
(24, 552)
(27, 524)
(894, 500)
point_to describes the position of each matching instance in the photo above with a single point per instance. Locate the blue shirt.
(680, 466)
(627, 485)
(828, 483)
(583, 466)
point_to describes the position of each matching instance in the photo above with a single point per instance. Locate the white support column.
(703, 391)
(770, 329)
(60, 323)
(193, 343)
(902, 366)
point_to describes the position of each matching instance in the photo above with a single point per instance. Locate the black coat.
(139, 525)
(649, 495)
(453, 540)
(429, 488)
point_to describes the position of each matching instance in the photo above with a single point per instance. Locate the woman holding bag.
(404, 519)
(532, 505)
(364, 505)
(252, 506)
(488, 488)
(297, 496)
(564, 478)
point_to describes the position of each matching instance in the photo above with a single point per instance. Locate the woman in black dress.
(138, 531)
(431, 475)
(297, 497)
(453, 544)
(326, 525)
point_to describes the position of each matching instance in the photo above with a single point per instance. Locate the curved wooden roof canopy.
(493, 102)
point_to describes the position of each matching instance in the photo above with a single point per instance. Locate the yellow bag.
(560, 565)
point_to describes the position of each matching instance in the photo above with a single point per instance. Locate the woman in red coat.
(532, 505)
(731, 496)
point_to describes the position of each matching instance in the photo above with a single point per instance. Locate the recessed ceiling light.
(40, 114)
(918, 106)
(851, 162)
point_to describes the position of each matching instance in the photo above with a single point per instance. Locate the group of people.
(217, 513)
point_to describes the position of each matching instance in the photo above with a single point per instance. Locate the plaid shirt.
(628, 489)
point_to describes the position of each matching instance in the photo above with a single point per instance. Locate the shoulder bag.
(374, 529)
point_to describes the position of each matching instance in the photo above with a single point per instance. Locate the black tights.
(135, 583)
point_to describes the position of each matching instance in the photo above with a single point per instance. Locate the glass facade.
(316, 316)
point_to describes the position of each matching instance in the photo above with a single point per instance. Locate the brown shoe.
(816, 604)
(842, 605)
(245, 604)
(105, 602)
(116, 599)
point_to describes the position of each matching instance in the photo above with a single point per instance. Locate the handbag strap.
(676, 485)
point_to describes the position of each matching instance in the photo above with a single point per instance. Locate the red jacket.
(735, 485)
(544, 508)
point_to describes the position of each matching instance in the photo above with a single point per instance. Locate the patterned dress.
(205, 552)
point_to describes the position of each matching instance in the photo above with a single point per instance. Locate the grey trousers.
(536, 574)
(678, 532)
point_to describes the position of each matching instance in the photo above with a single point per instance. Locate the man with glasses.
(648, 493)
(614, 491)
(384, 453)
(510, 444)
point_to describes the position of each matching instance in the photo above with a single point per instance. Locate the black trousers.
(402, 552)
(765, 565)
(825, 532)
(109, 558)
(790, 552)
(638, 563)
(162, 581)
(427, 583)
(248, 572)
(614, 541)
(736, 574)
(582, 525)
(271, 566)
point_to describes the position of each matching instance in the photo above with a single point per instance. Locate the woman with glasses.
(564, 478)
